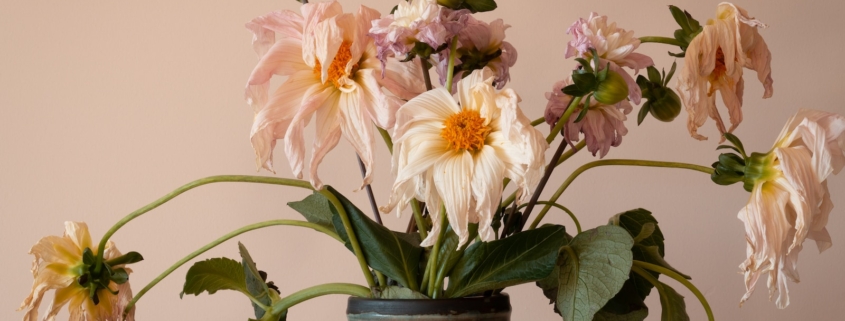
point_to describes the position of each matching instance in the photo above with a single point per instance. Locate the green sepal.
(735, 140)
(119, 276)
(128, 258)
(586, 82)
(584, 110)
(733, 162)
(525, 257)
(585, 64)
(88, 256)
(480, 5)
(654, 75)
(643, 112)
(681, 18)
(671, 73)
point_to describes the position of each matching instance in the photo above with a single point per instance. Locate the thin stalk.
(680, 279)
(538, 121)
(386, 137)
(426, 76)
(566, 155)
(607, 162)
(664, 40)
(369, 189)
(450, 75)
(435, 253)
(225, 238)
(563, 208)
(421, 225)
(542, 185)
(350, 232)
(185, 188)
(319, 290)
(564, 119)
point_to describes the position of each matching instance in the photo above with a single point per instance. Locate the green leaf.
(585, 82)
(450, 254)
(524, 257)
(674, 308)
(636, 315)
(480, 5)
(633, 222)
(400, 293)
(626, 302)
(601, 263)
(386, 251)
(255, 284)
(213, 275)
(316, 209)
(651, 254)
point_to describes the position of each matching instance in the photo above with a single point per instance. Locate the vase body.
(494, 308)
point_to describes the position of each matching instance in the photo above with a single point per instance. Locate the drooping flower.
(714, 62)
(790, 201)
(480, 44)
(412, 22)
(333, 74)
(58, 265)
(457, 155)
(603, 125)
(612, 44)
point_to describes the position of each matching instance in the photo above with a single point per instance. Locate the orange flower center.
(337, 69)
(717, 77)
(465, 131)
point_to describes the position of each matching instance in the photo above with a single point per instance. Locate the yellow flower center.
(337, 69)
(465, 131)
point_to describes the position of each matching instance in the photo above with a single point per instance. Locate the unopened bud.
(665, 106)
(612, 90)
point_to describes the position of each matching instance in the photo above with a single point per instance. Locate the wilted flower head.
(480, 44)
(333, 73)
(612, 44)
(457, 155)
(58, 265)
(790, 201)
(412, 22)
(603, 125)
(714, 62)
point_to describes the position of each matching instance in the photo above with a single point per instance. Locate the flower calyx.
(596, 81)
(662, 102)
(95, 279)
(689, 29)
(741, 167)
(472, 5)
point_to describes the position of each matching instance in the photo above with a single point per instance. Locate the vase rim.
(496, 303)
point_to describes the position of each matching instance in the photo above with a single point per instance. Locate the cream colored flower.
(790, 201)
(457, 155)
(333, 74)
(58, 266)
(714, 62)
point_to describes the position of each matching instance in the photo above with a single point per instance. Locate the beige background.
(106, 106)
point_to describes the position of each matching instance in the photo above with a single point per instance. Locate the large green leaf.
(257, 286)
(524, 257)
(633, 222)
(636, 315)
(450, 254)
(592, 270)
(389, 252)
(213, 275)
(316, 209)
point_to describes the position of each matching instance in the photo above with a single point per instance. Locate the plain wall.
(106, 106)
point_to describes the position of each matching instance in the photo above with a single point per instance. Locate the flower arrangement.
(456, 148)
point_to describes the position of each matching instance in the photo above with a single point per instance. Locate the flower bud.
(665, 105)
(451, 4)
(612, 90)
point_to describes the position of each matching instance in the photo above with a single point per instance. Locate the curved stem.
(422, 226)
(680, 279)
(538, 121)
(386, 137)
(225, 238)
(450, 75)
(319, 290)
(625, 162)
(433, 291)
(563, 208)
(664, 40)
(185, 188)
(350, 233)
(564, 119)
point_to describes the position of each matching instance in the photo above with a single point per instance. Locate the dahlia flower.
(603, 125)
(414, 21)
(58, 265)
(333, 73)
(612, 44)
(714, 62)
(457, 155)
(481, 44)
(790, 201)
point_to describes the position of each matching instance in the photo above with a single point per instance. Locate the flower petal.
(452, 175)
(313, 99)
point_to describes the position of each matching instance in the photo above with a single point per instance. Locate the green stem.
(353, 240)
(433, 291)
(564, 119)
(538, 121)
(225, 238)
(607, 162)
(421, 225)
(319, 290)
(450, 75)
(571, 215)
(679, 278)
(664, 40)
(185, 188)
(386, 137)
